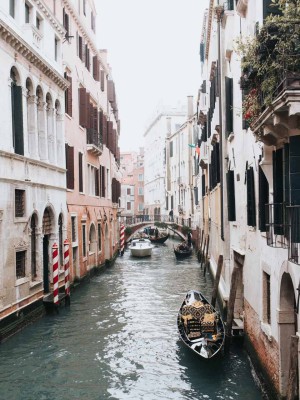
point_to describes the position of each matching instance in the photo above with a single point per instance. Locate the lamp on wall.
(110, 217)
(104, 218)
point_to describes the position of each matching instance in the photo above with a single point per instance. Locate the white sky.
(153, 49)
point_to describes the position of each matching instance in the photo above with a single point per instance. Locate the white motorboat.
(141, 247)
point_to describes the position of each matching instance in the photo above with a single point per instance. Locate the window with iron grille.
(19, 203)
(20, 264)
(84, 240)
(73, 226)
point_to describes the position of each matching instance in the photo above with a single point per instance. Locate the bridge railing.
(138, 219)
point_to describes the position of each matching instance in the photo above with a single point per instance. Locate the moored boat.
(141, 247)
(182, 250)
(200, 326)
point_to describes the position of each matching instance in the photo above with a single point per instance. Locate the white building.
(155, 195)
(32, 161)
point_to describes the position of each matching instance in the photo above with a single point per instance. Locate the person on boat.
(171, 216)
(156, 233)
(189, 235)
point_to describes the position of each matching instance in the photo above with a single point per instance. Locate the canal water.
(118, 340)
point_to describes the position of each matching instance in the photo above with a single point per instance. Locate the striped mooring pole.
(122, 237)
(55, 273)
(67, 271)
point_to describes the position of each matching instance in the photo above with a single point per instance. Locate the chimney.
(190, 106)
(169, 130)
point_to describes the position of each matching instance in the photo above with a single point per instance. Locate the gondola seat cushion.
(208, 323)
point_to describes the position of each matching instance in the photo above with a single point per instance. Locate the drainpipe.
(219, 14)
(190, 136)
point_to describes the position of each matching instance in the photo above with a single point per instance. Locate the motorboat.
(200, 326)
(141, 247)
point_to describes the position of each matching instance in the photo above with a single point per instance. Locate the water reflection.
(119, 340)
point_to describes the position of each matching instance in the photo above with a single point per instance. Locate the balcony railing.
(277, 228)
(94, 141)
(293, 218)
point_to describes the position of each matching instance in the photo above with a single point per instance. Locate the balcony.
(293, 218)
(277, 229)
(94, 142)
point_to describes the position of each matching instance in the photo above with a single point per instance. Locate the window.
(141, 206)
(266, 298)
(73, 228)
(99, 238)
(128, 205)
(55, 48)
(80, 172)
(19, 203)
(83, 240)
(33, 227)
(17, 114)
(93, 180)
(70, 166)
(12, 8)
(27, 13)
(20, 264)
(141, 191)
(93, 22)
(66, 24)
(171, 149)
(141, 177)
(38, 23)
(128, 191)
(68, 95)
(84, 7)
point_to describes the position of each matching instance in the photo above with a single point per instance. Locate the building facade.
(249, 180)
(92, 132)
(32, 157)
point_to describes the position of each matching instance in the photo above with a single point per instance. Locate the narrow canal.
(119, 340)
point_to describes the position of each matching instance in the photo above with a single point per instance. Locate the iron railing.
(145, 218)
(277, 229)
(93, 137)
(293, 218)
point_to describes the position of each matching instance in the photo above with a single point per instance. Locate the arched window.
(17, 113)
(50, 128)
(33, 227)
(92, 239)
(60, 240)
(43, 153)
(31, 128)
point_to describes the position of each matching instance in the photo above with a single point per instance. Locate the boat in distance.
(156, 236)
(141, 247)
(200, 326)
(182, 250)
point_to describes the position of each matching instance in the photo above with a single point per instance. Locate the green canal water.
(119, 340)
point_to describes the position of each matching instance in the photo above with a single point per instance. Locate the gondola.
(200, 326)
(182, 250)
(159, 239)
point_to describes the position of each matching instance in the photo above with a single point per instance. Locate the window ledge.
(33, 284)
(266, 329)
(21, 281)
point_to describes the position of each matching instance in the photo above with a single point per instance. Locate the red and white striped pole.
(122, 237)
(67, 268)
(55, 273)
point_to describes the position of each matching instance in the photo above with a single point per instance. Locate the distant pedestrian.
(171, 216)
(189, 236)
(156, 233)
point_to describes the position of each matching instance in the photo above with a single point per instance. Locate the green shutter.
(229, 105)
(251, 212)
(230, 196)
(295, 169)
(263, 199)
(17, 119)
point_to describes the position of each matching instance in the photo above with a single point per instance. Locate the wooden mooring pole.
(217, 280)
(200, 248)
(206, 256)
(230, 309)
(292, 387)
(202, 253)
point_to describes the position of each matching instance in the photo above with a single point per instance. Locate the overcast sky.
(153, 49)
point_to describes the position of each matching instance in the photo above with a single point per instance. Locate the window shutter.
(286, 171)
(17, 119)
(97, 193)
(203, 185)
(278, 190)
(80, 47)
(103, 181)
(196, 195)
(230, 196)
(82, 107)
(263, 199)
(80, 175)
(96, 66)
(102, 78)
(229, 105)
(70, 166)
(69, 97)
(109, 135)
(202, 50)
(251, 214)
(295, 169)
